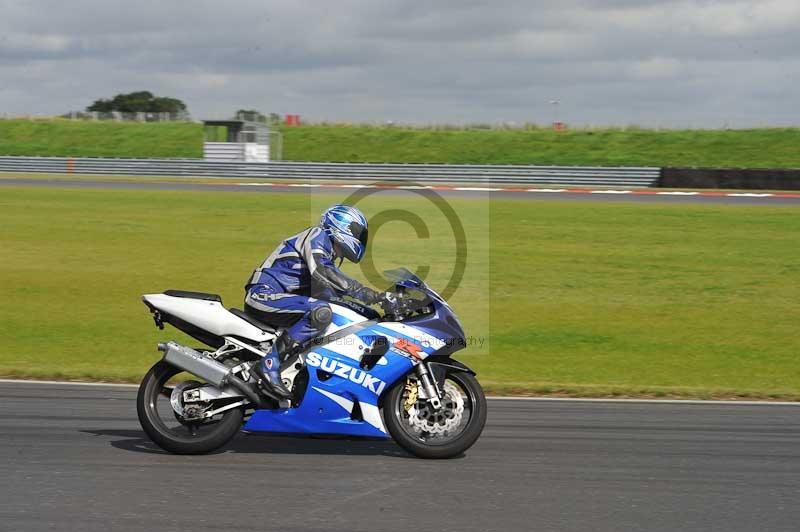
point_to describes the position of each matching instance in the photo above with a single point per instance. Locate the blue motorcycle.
(373, 374)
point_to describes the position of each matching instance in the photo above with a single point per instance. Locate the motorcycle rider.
(291, 286)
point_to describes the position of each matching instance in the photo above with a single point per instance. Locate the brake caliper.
(412, 395)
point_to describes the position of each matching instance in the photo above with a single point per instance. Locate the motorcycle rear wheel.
(410, 434)
(187, 437)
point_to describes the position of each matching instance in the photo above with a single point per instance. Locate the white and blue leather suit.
(292, 286)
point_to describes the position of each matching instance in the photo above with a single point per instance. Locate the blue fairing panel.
(336, 383)
(340, 320)
(308, 419)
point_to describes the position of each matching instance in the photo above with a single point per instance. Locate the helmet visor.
(362, 234)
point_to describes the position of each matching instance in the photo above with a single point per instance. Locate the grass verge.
(592, 299)
(754, 148)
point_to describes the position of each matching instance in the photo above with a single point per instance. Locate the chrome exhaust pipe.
(206, 368)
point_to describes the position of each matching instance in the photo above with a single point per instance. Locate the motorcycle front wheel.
(443, 433)
(168, 429)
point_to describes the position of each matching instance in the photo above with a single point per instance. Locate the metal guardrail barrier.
(299, 171)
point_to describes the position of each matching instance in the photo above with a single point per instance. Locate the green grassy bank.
(767, 148)
(568, 298)
(65, 138)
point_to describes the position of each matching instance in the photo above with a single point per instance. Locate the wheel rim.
(162, 412)
(440, 427)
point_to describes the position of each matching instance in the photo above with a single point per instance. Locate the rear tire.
(393, 417)
(213, 436)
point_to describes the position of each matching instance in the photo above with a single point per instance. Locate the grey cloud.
(662, 63)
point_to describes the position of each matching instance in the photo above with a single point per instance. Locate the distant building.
(236, 140)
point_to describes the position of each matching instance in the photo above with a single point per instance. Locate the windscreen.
(402, 274)
(413, 284)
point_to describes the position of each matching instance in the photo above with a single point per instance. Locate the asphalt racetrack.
(737, 198)
(73, 457)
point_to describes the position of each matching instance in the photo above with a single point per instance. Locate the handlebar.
(396, 304)
(389, 302)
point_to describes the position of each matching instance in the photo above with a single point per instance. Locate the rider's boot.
(267, 371)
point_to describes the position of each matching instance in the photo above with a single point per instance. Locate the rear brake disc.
(176, 397)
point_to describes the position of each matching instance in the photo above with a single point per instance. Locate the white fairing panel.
(350, 346)
(344, 316)
(210, 316)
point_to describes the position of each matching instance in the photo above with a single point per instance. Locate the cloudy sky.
(699, 63)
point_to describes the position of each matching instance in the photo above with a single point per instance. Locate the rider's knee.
(321, 317)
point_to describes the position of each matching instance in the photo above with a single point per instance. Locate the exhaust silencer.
(207, 369)
(195, 363)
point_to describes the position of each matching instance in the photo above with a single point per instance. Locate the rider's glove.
(367, 295)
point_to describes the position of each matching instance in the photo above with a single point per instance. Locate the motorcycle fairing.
(337, 383)
(207, 315)
(342, 317)
(213, 317)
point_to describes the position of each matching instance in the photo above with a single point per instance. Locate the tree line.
(147, 102)
(138, 102)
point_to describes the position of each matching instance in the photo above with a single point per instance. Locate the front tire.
(407, 423)
(184, 438)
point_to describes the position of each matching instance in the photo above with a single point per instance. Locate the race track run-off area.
(73, 457)
(447, 190)
(562, 293)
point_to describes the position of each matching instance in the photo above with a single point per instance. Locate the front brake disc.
(425, 418)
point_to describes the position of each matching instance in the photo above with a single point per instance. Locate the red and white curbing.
(634, 192)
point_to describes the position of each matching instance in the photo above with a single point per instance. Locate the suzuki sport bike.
(374, 374)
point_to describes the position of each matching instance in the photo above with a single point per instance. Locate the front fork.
(429, 386)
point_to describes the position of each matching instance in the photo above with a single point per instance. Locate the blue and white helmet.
(347, 228)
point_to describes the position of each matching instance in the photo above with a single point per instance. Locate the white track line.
(748, 195)
(645, 401)
(677, 193)
(492, 397)
(547, 190)
(69, 383)
(478, 189)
